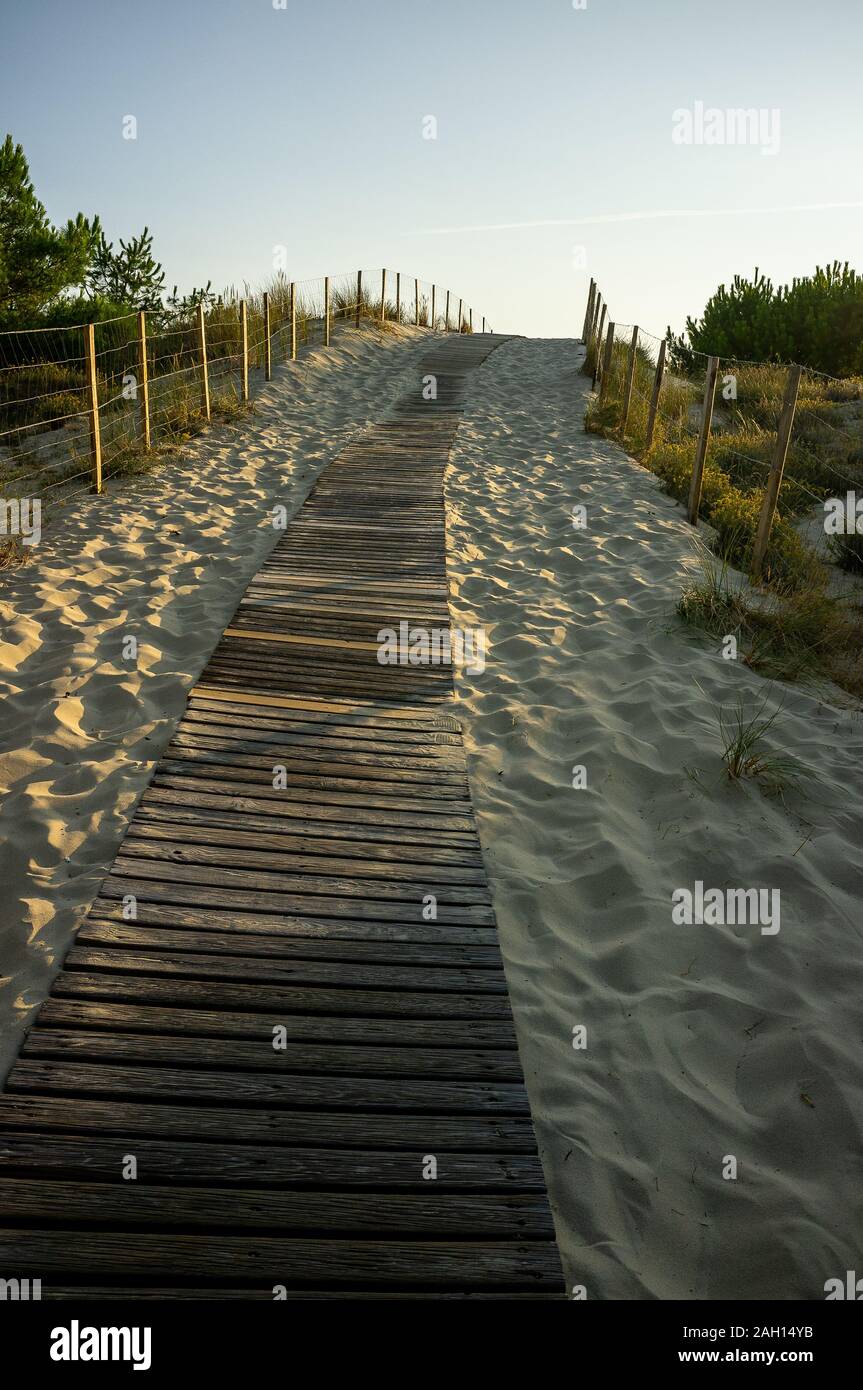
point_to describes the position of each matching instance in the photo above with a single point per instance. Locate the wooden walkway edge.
(280, 1058)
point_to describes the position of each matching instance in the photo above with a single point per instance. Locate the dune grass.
(794, 628)
(44, 405)
(743, 730)
(791, 632)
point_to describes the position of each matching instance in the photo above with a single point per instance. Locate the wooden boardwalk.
(273, 878)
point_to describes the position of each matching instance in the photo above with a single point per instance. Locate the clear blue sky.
(303, 126)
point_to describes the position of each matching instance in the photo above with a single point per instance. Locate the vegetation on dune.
(38, 261)
(53, 280)
(791, 632)
(129, 276)
(743, 730)
(796, 625)
(817, 320)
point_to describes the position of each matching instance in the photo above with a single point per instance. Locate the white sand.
(165, 560)
(702, 1040)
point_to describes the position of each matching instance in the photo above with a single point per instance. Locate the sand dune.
(703, 1042)
(165, 561)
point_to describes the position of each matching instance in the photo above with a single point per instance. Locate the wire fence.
(754, 448)
(82, 406)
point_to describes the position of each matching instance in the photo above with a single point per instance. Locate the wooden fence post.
(359, 296)
(777, 467)
(654, 398)
(588, 313)
(606, 361)
(95, 434)
(597, 353)
(268, 357)
(446, 321)
(432, 307)
(205, 375)
(594, 318)
(383, 296)
(416, 303)
(630, 377)
(143, 382)
(293, 322)
(703, 440)
(593, 328)
(470, 321)
(244, 333)
(458, 326)
(398, 296)
(326, 311)
(483, 323)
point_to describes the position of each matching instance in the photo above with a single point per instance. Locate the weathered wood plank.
(237, 908)
(197, 825)
(203, 894)
(482, 1149)
(229, 1053)
(339, 1262)
(434, 749)
(278, 1000)
(326, 793)
(201, 966)
(246, 1088)
(341, 713)
(206, 1023)
(401, 770)
(188, 1164)
(207, 919)
(337, 816)
(435, 795)
(327, 731)
(300, 754)
(231, 849)
(526, 1215)
(383, 952)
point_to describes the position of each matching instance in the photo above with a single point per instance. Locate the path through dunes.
(309, 801)
(701, 1041)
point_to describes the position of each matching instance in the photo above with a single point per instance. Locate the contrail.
(607, 217)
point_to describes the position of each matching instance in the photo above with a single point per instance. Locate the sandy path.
(702, 1041)
(164, 560)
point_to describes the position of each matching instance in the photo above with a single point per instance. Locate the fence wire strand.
(825, 445)
(46, 405)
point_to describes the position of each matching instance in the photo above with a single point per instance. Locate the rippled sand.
(164, 560)
(702, 1041)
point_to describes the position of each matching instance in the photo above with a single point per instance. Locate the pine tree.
(817, 320)
(129, 276)
(37, 261)
(186, 303)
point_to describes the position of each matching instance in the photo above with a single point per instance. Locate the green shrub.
(816, 320)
